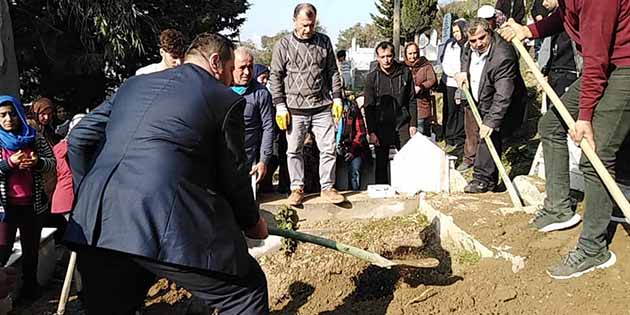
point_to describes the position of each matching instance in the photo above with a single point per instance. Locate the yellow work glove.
(283, 118)
(337, 109)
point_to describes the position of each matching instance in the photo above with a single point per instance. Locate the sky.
(268, 17)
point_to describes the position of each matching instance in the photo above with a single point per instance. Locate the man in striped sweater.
(303, 75)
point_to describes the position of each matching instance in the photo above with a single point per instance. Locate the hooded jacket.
(390, 99)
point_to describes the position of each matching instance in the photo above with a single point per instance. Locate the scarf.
(239, 89)
(25, 136)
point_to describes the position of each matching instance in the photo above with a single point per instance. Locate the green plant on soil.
(287, 218)
(468, 257)
(369, 231)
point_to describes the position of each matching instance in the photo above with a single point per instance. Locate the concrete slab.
(358, 206)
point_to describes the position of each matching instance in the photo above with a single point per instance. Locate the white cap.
(486, 12)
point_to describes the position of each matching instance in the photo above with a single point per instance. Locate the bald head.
(243, 66)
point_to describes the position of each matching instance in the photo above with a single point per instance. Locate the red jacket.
(64, 194)
(601, 30)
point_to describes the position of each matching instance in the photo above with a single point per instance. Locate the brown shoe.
(333, 196)
(296, 197)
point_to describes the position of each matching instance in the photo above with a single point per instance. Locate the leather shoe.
(477, 187)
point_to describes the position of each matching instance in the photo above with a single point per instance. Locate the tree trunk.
(9, 83)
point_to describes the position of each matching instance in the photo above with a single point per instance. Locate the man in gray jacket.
(303, 74)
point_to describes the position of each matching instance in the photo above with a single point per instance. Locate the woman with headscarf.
(453, 111)
(424, 80)
(23, 160)
(43, 118)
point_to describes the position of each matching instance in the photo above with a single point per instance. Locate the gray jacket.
(303, 73)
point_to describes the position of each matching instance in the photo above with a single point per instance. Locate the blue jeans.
(354, 173)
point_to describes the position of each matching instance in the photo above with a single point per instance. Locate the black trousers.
(387, 136)
(30, 226)
(485, 170)
(453, 119)
(117, 283)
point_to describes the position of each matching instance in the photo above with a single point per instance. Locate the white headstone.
(420, 166)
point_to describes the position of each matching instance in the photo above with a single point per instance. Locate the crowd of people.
(207, 127)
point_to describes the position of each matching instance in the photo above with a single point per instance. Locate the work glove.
(283, 118)
(337, 109)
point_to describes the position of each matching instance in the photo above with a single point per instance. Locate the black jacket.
(512, 9)
(160, 172)
(390, 98)
(502, 92)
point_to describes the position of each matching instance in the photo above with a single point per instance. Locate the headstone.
(420, 166)
(447, 24)
(9, 83)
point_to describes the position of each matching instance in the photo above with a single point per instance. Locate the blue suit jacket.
(159, 171)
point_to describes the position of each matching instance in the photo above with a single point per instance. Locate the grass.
(468, 258)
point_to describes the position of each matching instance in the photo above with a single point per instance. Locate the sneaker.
(577, 263)
(545, 222)
(464, 167)
(333, 196)
(296, 198)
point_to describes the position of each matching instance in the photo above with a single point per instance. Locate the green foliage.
(76, 51)
(417, 15)
(367, 35)
(384, 21)
(460, 9)
(287, 219)
(263, 55)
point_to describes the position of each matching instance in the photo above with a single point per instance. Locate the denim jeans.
(611, 127)
(354, 173)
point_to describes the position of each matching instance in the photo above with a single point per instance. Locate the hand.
(17, 157)
(258, 231)
(374, 139)
(283, 118)
(412, 131)
(348, 157)
(583, 130)
(417, 89)
(29, 162)
(484, 131)
(337, 109)
(511, 29)
(538, 18)
(260, 169)
(8, 277)
(461, 78)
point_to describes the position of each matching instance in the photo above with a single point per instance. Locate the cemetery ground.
(320, 281)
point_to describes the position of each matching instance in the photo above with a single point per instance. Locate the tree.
(76, 50)
(385, 20)
(263, 55)
(417, 16)
(367, 35)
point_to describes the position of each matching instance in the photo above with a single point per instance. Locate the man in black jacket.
(390, 106)
(163, 189)
(491, 72)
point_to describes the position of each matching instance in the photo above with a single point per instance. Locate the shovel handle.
(590, 153)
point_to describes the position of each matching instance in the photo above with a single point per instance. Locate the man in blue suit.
(162, 189)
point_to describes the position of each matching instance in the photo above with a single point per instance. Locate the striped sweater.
(46, 163)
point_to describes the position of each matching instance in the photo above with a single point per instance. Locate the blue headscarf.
(26, 136)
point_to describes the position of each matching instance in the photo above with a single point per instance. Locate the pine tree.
(385, 20)
(417, 15)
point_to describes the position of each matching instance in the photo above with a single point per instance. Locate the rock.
(530, 189)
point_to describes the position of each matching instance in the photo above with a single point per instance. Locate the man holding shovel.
(600, 100)
(491, 66)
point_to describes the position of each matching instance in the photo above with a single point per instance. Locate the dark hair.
(476, 23)
(341, 54)
(6, 103)
(210, 43)
(172, 41)
(308, 9)
(384, 45)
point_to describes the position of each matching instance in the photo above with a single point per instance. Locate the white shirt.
(451, 63)
(154, 67)
(477, 62)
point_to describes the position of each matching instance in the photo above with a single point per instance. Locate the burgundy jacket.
(601, 30)
(424, 77)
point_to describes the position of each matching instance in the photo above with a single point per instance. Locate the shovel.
(590, 153)
(372, 258)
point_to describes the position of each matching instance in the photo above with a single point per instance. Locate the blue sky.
(268, 17)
